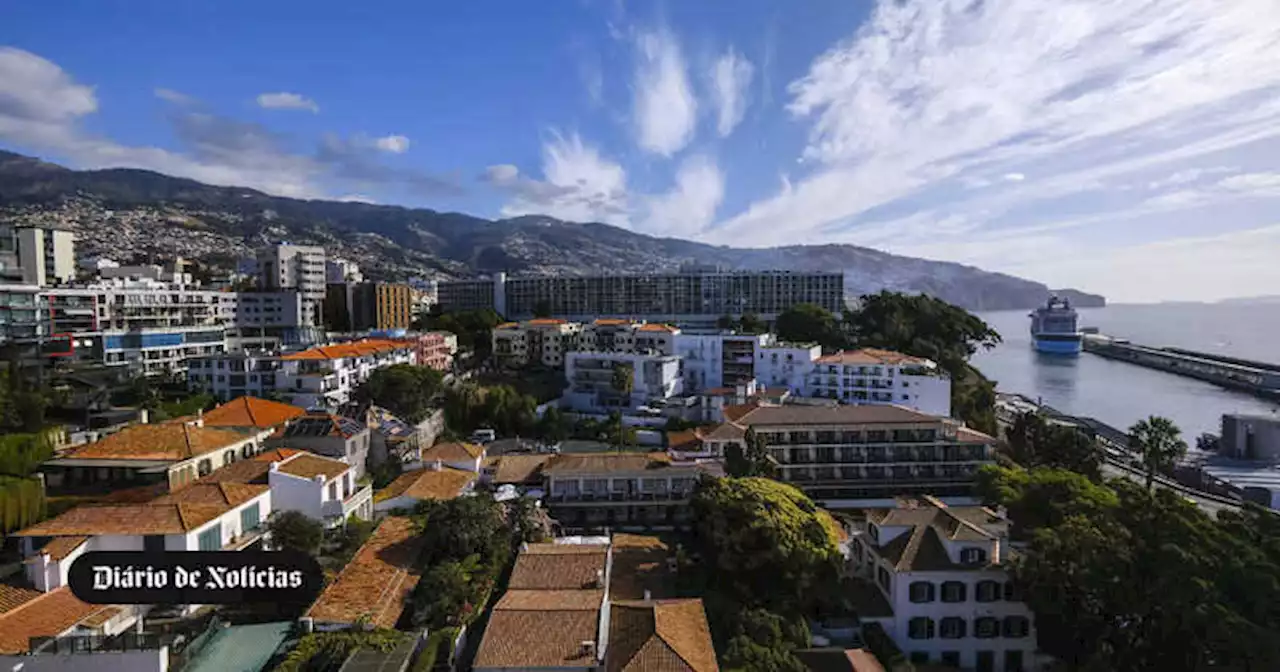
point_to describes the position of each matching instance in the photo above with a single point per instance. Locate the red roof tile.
(377, 581)
(251, 412)
(47, 615)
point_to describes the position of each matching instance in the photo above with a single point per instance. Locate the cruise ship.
(1054, 328)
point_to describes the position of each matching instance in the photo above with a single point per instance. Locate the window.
(333, 490)
(953, 627)
(153, 543)
(1013, 661)
(973, 556)
(884, 579)
(1011, 592)
(228, 457)
(211, 539)
(951, 658)
(988, 591)
(250, 517)
(919, 657)
(986, 661)
(920, 627)
(953, 591)
(1016, 627)
(921, 591)
(205, 467)
(986, 627)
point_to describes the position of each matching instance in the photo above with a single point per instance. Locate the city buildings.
(434, 349)
(330, 435)
(366, 306)
(295, 267)
(34, 255)
(871, 376)
(621, 490)
(321, 488)
(938, 585)
(850, 454)
(591, 378)
(695, 297)
(541, 341)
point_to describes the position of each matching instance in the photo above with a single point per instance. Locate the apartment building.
(622, 490)
(34, 255)
(693, 297)
(785, 365)
(296, 267)
(873, 376)
(330, 435)
(590, 375)
(368, 306)
(937, 583)
(843, 453)
(542, 341)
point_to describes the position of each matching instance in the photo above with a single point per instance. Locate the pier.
(1257, 378)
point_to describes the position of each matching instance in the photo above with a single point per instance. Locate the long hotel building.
(687, 298)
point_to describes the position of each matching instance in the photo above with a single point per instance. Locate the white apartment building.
(939, 587)
(784, 365)
(622, 490)
(654, 377)
(45, 256)
(321, 488)
(872, 376)
(317, 378)
(543, 341)
(296, 267)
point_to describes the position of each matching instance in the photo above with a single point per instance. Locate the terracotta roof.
(551, 600)
(453, 451)
(594, 463)
(347, 350)
(172, 441)
(508, 325)
(686, 441)
(427, 484)
(666, 328)
(226, 495)
(251, 412)
(546, 322)
(12, 597)
(726, 432)
(864, 661)
(59, 548)
(718, 391)
(639, 565)
(130, 519)
(308, 466)
(558, 567)
(47, 615)
(377, 581)
(243, 471)
(834, 415)
(967, 435)
(519, 469)
(661, 636)
(610, 322)
(870, 356)
(735, 412)
(524, 639)
(277, 454)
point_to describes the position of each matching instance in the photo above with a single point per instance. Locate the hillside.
(136, 215)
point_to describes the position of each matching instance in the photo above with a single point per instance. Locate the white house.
(199, 517)
(456, 454)
(590, 376)
(319, 487)
(939, 587)
(871, 376)
(436, 482)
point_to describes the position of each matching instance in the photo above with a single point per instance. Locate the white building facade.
(590, 376)
(871, 376)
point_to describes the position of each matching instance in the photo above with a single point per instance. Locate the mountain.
(137, 216)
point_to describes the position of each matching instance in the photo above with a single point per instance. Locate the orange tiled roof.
(130, 519)
(47, 615)
(734, 413)
(453, 451)
(377, 581)
(428, 484)
(347, 350)
(242, 471)
(12, 597)
(226, 495)
(869, 356)
(60, 547)
(508, 325)
(309, 466)
(251, 412)
(558, 567)
(652, 326)
(526, 469)
(610, 322)
(668, 635)
(639, 565)
(277, 454)
(170, 441)
(538, 638)
(546, 322)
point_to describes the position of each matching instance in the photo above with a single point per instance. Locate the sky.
(1127, 147)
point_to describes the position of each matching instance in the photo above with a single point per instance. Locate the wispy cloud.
(396, 144)
(665, 110)
(175, 97)
(692, 202)
(578, 184)
(730, 80)
(1048, 111)
(284, 100)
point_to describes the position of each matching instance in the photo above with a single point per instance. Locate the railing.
(126, 641)
(629, 497)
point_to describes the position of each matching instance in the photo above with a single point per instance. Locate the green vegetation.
(750, 323)
(403, 389)
(468, 407)
(22, 404)
(769, 561)
(291, 530)
(438, 642)
(348, 539)
(466, 544)
(1160, 444)
(753, 460)
(327, 650)
(472, 327)
(22, 503)
(1122, 578)
(554, 426)
(809, 323)
(1034, 441)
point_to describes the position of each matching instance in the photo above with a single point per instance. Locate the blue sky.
(1122, 146)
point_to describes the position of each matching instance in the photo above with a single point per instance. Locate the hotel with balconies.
(872, 376)
(622, 490)
(850, 454)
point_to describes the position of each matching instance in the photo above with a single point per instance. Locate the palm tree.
(623, 382)
(1160, 444)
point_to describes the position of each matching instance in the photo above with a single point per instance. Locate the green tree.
(457, 528)
(1040, 498)
(20, 454)
(920, 325)
(759, 640)
(1159, 443)
(472, 327)
(449, 593)
(1034, 441)
(809, 323)
(554, 426)
(750, 459)
(291, 530)
(764, 544)
(542, 308)
(752, 324)
(623, 383)
(403, 389)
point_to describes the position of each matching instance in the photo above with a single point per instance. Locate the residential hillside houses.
(434, 483)
(374, 587)
(937, 583)
(330, 435)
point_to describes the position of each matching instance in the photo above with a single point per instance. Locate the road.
(1210, 504)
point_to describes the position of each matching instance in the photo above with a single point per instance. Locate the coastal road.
(1210, 504)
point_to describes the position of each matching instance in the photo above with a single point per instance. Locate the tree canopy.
(499, 407)
(404, 389)
(472, 327)
(750, 459)
(920, 325)
(293, 530)
(1034, 441)
(1159, 443)
(810, 323)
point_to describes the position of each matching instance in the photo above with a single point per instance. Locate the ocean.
(1120, 394)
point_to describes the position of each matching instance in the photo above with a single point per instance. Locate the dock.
(1258, 378)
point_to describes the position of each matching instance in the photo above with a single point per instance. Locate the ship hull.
(1064, 344)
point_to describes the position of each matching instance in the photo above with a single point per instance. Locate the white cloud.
(665, 110)
(396, 144)
(357, 198)
(37, 90)
(691, 204)
(1089, 96)
(730, 80)
(175, 97)
(284, 100)
(578, 185)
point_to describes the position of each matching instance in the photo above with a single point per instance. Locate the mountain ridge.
(133, 215)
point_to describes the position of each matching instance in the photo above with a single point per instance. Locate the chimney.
(647, 595)
(588, 647)
(143, 416)
(599, 578)
(437, 465)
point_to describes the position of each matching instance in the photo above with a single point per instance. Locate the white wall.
(230, 525)
(290, 493)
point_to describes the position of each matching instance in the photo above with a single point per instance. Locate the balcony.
(343, 509)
